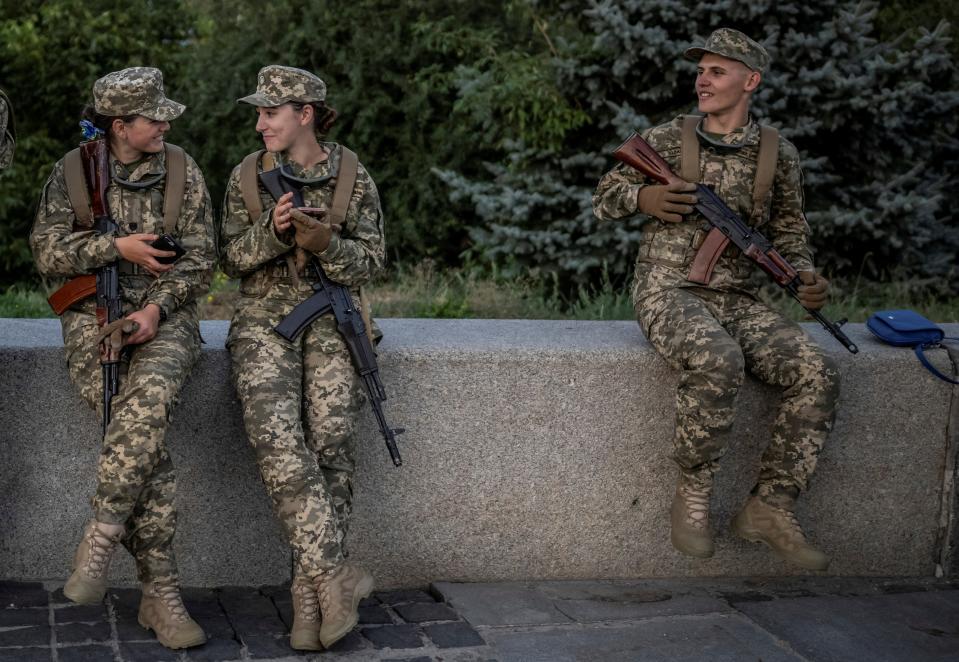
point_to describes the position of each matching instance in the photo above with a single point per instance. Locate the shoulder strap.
(175, 186)
(931, 368)
(249, 187)
(11, 120)
(689, 149)
(77, 191)
(345, 181)
(765, 165)
(250, 183)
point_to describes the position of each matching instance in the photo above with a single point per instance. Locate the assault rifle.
(96, 166)
(727, 227)
(329, 296)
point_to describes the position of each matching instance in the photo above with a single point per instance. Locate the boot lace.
(101, 548)
(697, 505)
(169, 595)
(308, 600)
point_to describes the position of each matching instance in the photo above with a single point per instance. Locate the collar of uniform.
(319, 171)
(153, 167)
(740, 137)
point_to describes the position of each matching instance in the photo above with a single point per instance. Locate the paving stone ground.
(813, 619)
(38, 623)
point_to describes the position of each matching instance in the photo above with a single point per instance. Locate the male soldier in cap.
(301, 399)
(713, 333)
(7, 136)
(133, 503)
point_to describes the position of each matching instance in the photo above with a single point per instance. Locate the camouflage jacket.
(667, 249)
(6, 133)
(61, 253)
(251, 250)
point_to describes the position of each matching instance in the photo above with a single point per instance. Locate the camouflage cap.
(734, 45)
(134, 91)
(276, 85)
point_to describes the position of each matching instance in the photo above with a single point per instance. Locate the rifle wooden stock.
(74, 290)
(96, 167)
(639, 154)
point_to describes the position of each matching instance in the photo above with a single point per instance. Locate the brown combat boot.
(88, 582)
(690, 515)
(305, 633)
(162, 610)
(340, 591)
(779, 529)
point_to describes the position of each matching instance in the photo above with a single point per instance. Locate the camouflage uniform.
(300, 399)
(135, 478)
(713, 334)
(6, 132)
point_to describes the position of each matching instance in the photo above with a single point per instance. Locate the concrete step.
(534, 450)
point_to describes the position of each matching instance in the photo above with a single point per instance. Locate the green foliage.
(487, 124)
(24, 302)
(50, 54)
(875, 122)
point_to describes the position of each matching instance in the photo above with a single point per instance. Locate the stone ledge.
(534, 450)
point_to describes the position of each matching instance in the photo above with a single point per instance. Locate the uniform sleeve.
(788, 229)
(191, 274)
(57, 249)
(617, 195)
(358, 252)
(245, 243)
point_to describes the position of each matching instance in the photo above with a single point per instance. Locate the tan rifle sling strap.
(79, 194)
(765, 161)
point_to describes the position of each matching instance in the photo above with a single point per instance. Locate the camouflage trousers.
(713, 337)
(300, 407)
(135, 478)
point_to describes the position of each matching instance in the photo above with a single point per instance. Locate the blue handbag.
(907, 328)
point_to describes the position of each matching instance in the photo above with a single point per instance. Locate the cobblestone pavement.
(38, 623)
(778, 619)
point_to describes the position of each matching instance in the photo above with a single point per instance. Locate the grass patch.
(426, 291)
(21, 301)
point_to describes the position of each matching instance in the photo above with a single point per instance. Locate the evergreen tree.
(875, 123)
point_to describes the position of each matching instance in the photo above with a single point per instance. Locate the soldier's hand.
(281, 213)
(668, 202)
(113, 336)
(136, 248)
(312, 234)
(814, 291)
(147, 320)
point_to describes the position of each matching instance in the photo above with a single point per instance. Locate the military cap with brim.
(734, 45)
(276, 85)
(134, 91)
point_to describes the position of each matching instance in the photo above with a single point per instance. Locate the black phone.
(166, 242)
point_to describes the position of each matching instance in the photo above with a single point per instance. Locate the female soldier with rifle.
(128, 310)
(300, 393)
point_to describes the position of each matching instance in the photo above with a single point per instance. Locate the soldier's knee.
(722, 362)
(820, 373)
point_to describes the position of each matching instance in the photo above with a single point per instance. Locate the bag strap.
(689, 149)
(931, 368)
(175, 186)
(77, 191)
(345, 181)
(765, 165)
